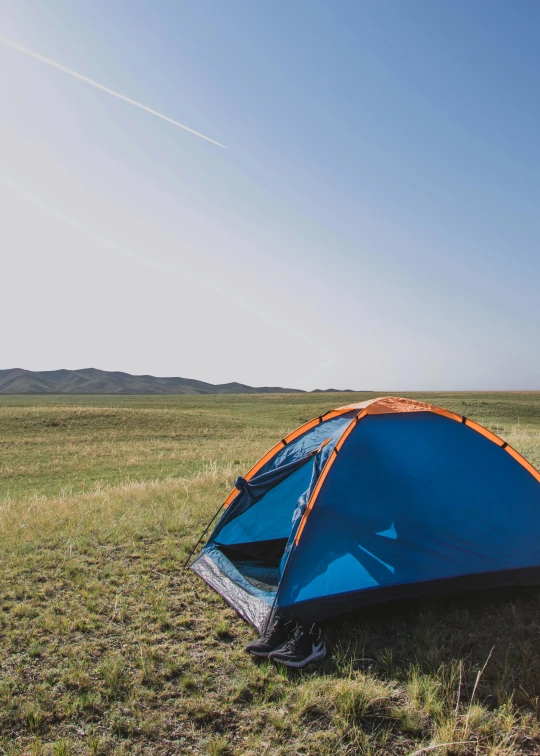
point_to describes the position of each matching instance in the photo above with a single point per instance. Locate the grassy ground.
(107, 646)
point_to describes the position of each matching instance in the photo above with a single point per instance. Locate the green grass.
(107, 646)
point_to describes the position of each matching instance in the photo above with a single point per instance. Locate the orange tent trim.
(381, 406)
(393, 404)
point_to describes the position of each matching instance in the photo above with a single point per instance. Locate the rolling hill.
(92, 381)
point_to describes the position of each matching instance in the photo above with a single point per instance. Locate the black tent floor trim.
(318, 610)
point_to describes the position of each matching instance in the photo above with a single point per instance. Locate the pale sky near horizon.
(373, 223)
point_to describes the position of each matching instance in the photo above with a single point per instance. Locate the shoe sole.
(264, 654)
(313, 657)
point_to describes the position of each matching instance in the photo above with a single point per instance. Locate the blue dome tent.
(371, 502)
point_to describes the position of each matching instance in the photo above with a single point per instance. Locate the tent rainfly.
(382, 500)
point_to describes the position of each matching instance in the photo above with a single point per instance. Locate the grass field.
(107, 646)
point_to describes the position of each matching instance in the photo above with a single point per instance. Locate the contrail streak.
(96, 84)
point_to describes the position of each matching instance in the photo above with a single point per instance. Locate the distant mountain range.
(92, 381)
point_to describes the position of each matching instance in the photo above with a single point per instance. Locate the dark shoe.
(274, 637)
(302, 648)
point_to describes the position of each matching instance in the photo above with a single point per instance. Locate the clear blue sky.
(373, 223)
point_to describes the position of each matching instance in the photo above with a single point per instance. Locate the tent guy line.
(96, 84)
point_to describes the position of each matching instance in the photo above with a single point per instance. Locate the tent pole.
(202, 536)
